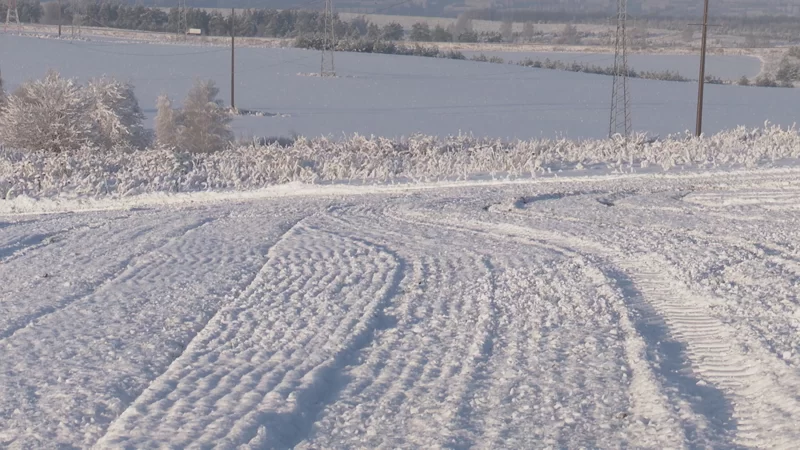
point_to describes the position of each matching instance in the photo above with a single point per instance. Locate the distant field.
(396, 95)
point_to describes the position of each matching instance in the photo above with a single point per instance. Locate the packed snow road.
(640, 312)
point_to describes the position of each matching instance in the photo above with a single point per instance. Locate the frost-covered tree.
(439, 34)
(203, 127)
(115, 114)
(507, 30)
(47, 114)
(166, 123)
(462, 25)
(528, 31)
(420, 32)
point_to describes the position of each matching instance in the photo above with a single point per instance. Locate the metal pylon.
(620, 122)
(327, 68)
(12, 14)
(182, 28)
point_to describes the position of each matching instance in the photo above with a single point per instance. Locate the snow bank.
(91, 173)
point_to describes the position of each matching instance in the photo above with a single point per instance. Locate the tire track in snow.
(248, 290)
(437, 349)
(124, 335)
(21, 244)
(26, 244)
(648, 399)
(741, 265)
(256, 373)
(29, 319)
(761, 393)
(407, 393)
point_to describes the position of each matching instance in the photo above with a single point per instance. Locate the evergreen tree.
(420, 32)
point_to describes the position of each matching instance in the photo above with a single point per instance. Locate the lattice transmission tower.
(620, 122)
(12, 14)
(327, 68)
(183, 27)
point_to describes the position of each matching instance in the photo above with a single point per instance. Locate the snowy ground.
(635, 311)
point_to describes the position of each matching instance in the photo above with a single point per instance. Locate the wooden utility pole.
(233, 39)
(702, 81)
(59, 18)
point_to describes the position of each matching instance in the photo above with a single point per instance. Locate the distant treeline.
(248, 23)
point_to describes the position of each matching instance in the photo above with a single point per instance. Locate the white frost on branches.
(89, 172)
(56, 114)
(47, 114)
(166, 123)
(115, 114)
(201, 126)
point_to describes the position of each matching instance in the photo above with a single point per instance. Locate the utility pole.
(620, 121)
(59, 18)
(702, 81)
(233, 66)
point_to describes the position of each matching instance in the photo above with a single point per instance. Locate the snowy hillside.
(393, 96)
(635, 311)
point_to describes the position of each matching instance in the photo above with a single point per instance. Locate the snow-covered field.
(640, 311)
(391, 96)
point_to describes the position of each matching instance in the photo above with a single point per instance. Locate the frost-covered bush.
(47, 114)
(56, 114)
(204, 123)
(115, 114)
(88, 172)
(201, 126)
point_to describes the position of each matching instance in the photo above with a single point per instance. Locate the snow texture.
(635, 311)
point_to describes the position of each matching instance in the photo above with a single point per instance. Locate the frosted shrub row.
(90, 172)
(57, 114)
